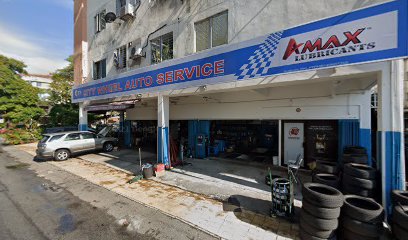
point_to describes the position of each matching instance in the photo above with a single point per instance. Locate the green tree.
(61, 86)
(19, 101)
(63, 112)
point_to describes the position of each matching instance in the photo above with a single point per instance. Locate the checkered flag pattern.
(261, 61)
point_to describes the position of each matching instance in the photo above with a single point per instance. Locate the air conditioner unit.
(127, 11)
(135, 53)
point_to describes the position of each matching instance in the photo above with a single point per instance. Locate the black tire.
(62, 155)
(360, 171)
(353, 190)
(327, 167)
(349, 235)
(400, 216)
(355, 158)
(399, 196)
(311, 230)
(108, 147)
(268, 180)
(306, 236)
(327, 179)
(325, 213)
(364, 229)
(321, 195)
(399, 232)
(355, 150)
(359, 182)
(363, 209)
(319, 223)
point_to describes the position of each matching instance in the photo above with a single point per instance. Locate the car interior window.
(44, 139)
(56, 137)
(88, 135)
(73, 136)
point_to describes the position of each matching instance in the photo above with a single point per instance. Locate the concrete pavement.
(223, 219)
(41, 201)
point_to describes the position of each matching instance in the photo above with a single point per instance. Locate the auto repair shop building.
(278, 78)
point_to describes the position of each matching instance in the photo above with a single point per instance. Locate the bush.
(20, 136)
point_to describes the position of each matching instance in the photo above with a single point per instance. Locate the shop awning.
(108, 107)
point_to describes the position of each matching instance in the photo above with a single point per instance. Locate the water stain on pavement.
(46, 187)
(17, 166)
(66, 224)
(74, 205)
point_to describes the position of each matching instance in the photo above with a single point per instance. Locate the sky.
(37, 32)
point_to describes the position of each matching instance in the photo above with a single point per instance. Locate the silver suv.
(62, 145)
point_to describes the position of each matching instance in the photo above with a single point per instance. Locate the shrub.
(20, 136)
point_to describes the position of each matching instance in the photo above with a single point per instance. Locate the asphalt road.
(32, 208)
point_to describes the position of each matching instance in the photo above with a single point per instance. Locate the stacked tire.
(326, 173)
(327, 167)
(355, 154)
(399, 197)
(361, 218)
(400, 214)
(359, 179)
(320, 211)
(327, 179)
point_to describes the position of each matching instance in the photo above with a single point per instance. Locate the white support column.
(280, 143)
(83, 118)
(390, 145)
(163, 142)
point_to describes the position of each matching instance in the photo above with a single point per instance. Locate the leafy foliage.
(61, 86)
(63, 112)
(20, 136)
(18, 99)
(64, 115)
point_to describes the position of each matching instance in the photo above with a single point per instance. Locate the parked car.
(62, 145)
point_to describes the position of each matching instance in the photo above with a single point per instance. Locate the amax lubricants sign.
(376, 33)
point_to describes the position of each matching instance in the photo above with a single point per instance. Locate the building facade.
(39, 81)
(80, 41)
(285, 76)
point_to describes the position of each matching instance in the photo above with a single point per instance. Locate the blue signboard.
(372, 34)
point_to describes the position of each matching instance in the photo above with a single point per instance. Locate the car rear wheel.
(108, 147)
(61, 155)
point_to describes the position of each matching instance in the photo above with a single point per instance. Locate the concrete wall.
(247, 20)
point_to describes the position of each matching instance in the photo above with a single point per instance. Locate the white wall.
(320, 100)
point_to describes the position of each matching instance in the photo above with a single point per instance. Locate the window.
(99, 69)
(39, 84)
(162, 48)
(100, 23)
(56, 137)
(212, 32)
(374, 100)
(73, 136)
(44, 139)
(88, 135)
(120, 57)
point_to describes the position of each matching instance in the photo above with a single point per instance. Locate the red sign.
(294, 131)
(332, 42)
